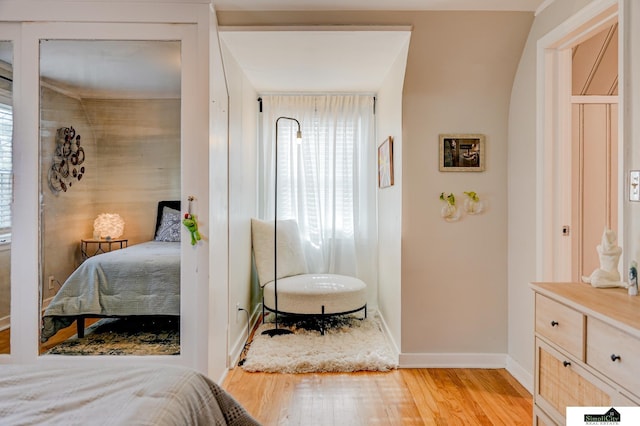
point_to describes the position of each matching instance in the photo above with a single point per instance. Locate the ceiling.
(315, 61)
(113, 69)
(521, 5)
(331, 61)
(274, 61)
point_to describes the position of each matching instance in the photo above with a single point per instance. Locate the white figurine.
(609, 253)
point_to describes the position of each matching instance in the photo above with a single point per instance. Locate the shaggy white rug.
(347, 345)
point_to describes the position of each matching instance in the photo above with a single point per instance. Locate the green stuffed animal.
(192, 225)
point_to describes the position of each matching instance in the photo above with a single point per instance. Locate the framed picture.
(385, 163)
(462, 153)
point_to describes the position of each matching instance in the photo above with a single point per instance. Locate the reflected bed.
(142, 279)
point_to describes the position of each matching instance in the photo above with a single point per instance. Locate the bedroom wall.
(522, 189)
(132, 161)
(243, 112)
(459, 76)
(138, 152)
(67, 216)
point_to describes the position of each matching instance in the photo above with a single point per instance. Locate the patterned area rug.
(125, 336)
(349, 344)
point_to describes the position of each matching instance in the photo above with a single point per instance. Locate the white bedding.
(142, 279)
(145, 395)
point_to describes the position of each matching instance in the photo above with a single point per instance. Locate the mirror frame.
(107, 181)
(194, 157)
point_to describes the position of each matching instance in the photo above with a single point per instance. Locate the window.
(6, 171)
(327, 183)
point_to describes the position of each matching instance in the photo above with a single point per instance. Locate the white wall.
(216, 310)
(521, 162)
(389, 202)
(243, 112)
(454, 275)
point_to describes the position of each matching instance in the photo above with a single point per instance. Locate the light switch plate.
(634, 185)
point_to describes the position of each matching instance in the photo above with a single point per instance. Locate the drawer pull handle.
(554, 323)
(615, 357)
(566, 363)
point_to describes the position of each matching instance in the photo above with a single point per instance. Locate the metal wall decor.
(67, 160)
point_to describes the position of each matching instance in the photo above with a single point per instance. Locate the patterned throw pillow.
(169, 229)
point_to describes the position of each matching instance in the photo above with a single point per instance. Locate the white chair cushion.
(307, 293)
(290, 255)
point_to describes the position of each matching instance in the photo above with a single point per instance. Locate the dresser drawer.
(614, 353)
(563, 382)
(561, 325)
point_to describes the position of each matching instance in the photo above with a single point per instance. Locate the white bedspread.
(146, 395)
(143, 279)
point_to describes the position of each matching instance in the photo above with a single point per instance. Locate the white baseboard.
(46, 302)
(5, 322)
(520, 374)
(453, 360)
(236, 349)
(387, 335)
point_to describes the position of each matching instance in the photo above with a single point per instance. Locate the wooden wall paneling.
(138, 159)
(67, 217)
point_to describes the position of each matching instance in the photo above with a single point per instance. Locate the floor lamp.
(277, 331)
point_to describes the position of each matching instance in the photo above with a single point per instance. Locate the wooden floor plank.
(5, 339)
(400, 397)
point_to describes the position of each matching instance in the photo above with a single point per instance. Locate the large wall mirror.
(6, 190)
(110, 185)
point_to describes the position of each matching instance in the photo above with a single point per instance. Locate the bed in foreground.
(142, 395)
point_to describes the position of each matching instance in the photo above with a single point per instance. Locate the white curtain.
(327, 183)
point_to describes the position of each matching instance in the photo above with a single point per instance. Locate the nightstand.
(92, 247)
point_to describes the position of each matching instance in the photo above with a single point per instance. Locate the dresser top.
(611, 305)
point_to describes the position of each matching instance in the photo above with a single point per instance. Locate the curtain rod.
(317, 94)
(364, 94)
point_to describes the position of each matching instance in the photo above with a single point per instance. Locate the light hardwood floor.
(5, 338)
(400, 397)
(60, 336)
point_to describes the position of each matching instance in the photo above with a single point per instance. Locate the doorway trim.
(553, 131)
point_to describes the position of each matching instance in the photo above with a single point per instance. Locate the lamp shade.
(108, 226)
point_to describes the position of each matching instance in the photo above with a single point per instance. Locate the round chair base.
(316, 294)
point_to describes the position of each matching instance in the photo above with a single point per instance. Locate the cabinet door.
(563, 382)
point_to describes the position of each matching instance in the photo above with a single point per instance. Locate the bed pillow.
(290, 256)
(169, 229)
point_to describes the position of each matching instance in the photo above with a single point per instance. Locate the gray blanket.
(143, 279)
(145, 395)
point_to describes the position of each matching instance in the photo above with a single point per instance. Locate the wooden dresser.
(587, 343)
